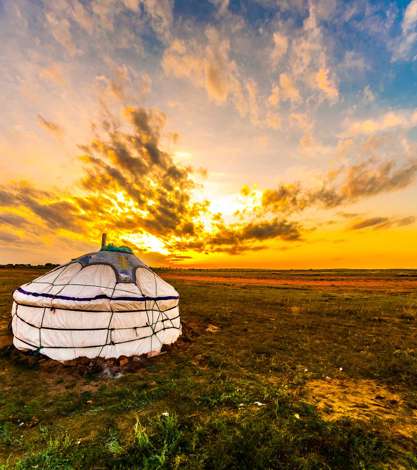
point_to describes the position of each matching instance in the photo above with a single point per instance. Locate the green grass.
(236, 398)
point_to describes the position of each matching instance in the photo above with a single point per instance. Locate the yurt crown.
(110, 247)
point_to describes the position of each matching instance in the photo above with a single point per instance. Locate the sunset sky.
(212, 133)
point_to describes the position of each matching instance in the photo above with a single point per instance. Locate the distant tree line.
(28, 266)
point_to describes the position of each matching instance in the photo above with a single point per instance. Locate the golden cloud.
(134, 189)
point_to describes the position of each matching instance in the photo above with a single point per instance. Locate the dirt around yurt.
(306, 369)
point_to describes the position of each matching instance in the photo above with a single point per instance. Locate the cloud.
(406, 221)
(309, 60)
(82, 16)
(348, 215)
(325, 8)
(280, 47)
(161, 17)
(145, 84)
(221, 5)
(56, 214)
(53, 73)
(208, 66)
(215, 63)
(50, 126)
(307, 76)
(101, 28)
(410, 17)
(288, 89)
(370, 178)
(274, 97)
(400, 119)
(271, 229)
(382, 222)
(368, 94)
(133, 188)
(48, 207)
(273, 120)
(154, 193)
(374, 222)
(10, 238)
(158, 192)
(132, 5)
(252, 92)
(354, 61)
(325, 84)
(60, 29)
(116, 86)
(6, 197)
(403, 44)
(344, 186)
(238, 238)
(14, 220)
(284, 90)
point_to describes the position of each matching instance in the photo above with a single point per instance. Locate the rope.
(108, 326)
(96, 345)
(86, 329)
(40, 328)
(161, 318)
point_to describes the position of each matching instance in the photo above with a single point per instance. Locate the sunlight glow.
(147, 242)
(182, 156)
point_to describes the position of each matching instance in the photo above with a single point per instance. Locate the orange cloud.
(325, 84)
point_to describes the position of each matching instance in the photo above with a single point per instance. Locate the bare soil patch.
(362, 400)
(5, 341)
(360, 283)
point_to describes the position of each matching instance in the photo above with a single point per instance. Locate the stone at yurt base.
(105, 304)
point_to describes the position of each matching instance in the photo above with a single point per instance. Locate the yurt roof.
(112, 278)
(123, 263)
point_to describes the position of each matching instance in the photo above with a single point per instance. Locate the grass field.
(316, 373)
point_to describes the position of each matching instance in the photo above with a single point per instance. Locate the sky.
(210, 133)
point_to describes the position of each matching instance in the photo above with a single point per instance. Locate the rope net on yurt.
(99, 313)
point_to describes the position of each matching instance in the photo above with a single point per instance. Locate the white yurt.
(104, 304)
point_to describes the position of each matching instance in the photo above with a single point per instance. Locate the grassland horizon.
(299, 376)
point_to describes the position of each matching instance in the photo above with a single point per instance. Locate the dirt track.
(360, 283)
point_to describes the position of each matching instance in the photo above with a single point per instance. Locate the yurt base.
(83, 366)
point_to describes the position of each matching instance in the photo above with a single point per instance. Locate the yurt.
(103, 304)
